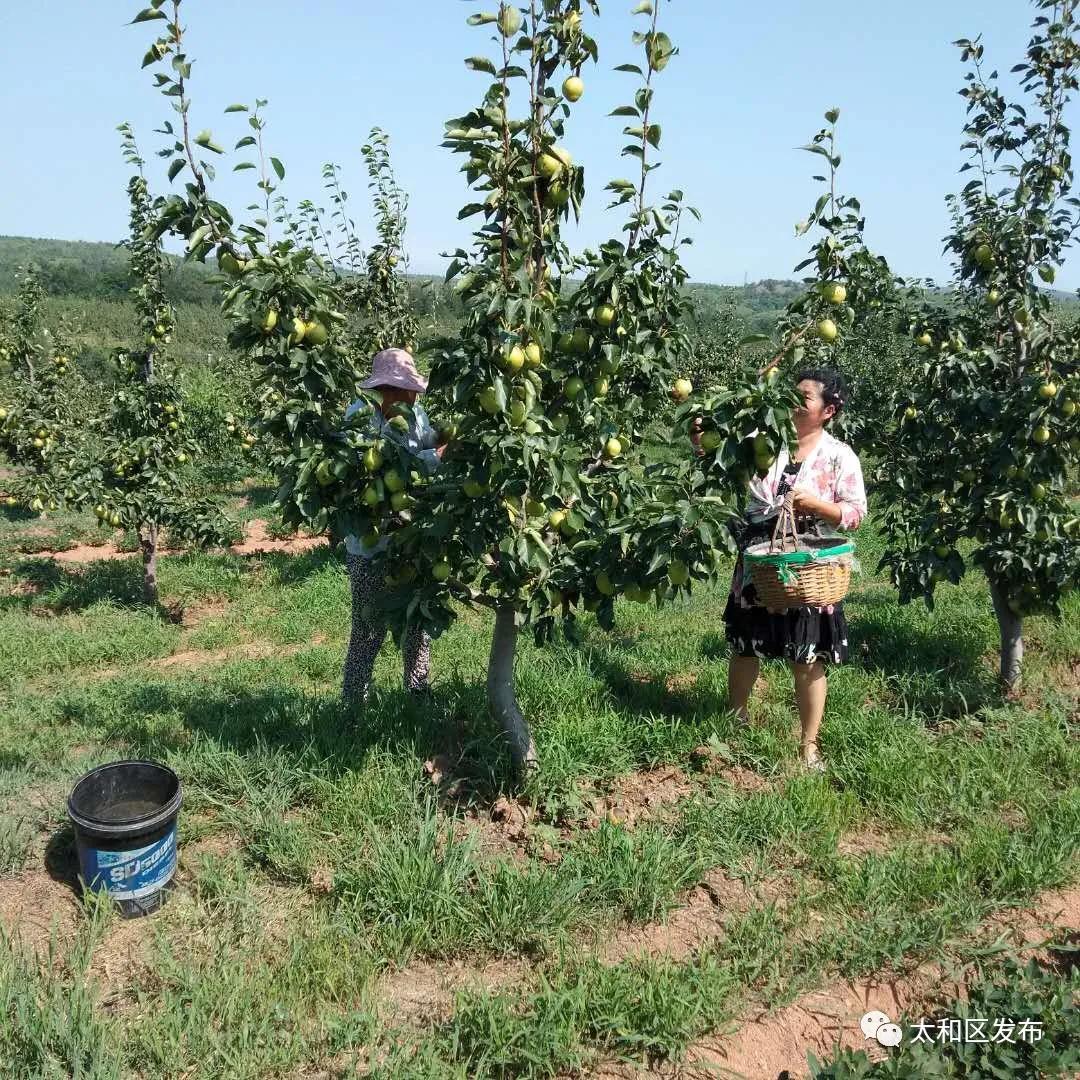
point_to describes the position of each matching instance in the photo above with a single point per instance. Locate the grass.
(321, 868)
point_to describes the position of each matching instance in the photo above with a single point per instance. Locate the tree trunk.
(148, 541)
(502, 700)
(1011, 626)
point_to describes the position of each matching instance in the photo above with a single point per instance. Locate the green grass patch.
(317, 857)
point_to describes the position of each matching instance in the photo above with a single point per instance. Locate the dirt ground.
(256, 541)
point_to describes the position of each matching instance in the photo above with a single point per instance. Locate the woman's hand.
(805, 503)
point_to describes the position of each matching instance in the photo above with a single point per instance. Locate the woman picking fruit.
(826, 484)
(395, 379)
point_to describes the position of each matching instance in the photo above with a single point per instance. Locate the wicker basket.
(790, 571)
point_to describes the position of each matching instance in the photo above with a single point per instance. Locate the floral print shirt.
(831, 472)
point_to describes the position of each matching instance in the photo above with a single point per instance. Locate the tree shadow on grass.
(295, 569)
(664, 693)
(715, 646)
(18, 515)
(13, 760)
(62, 587)
(162, 719)
(937, 668)
(471, 745)
(1064, 953)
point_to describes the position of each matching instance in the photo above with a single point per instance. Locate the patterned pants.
(369, 633)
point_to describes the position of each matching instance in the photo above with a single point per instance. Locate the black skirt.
(802, 635)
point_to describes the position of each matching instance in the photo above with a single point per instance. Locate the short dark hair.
(834, 390)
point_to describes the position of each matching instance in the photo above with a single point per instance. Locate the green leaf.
(631, 69)
(198, 236)
(643, 8)
(176, 168)
(148, 15)
(278, 168)
(660, 51)
(480, 63)
(236, 108)
(206, 140)
(625, 110)
(244, 165)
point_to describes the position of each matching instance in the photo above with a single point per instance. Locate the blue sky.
(749, 86)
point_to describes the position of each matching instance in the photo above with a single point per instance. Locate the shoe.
(811, 757)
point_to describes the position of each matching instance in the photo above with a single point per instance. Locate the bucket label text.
(131, 875)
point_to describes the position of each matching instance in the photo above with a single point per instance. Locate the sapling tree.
(39, 425)
(285, 304)
(986, 426)
(744, 425)
(853, 303)
(381, 294)
(138, 472)
(374, 292)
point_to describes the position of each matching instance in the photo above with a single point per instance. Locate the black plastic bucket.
(125, 815)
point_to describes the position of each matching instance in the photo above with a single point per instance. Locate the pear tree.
(138, 473)
(374, 291)
(851, 289)
(547, 504)
(744, 425)
(40, 425)
(283, 302)
(380, 296)
(985, 430)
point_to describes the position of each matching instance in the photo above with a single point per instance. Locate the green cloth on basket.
(784, 560)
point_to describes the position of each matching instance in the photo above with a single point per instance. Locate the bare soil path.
(257, 541)
(772, 1045)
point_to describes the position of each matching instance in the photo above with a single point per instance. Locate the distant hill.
(91, 271)
(756, 306)
(79, 270)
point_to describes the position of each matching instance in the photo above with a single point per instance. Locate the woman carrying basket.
(825, 485)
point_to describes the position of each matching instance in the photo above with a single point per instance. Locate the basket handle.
(786, 533)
